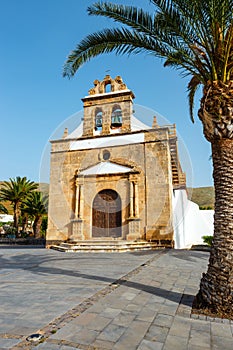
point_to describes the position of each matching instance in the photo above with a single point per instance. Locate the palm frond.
(122, 41)
(195, 37)
(35, 204)
(3, 209)
(192, 88)
(202, 25)
(133, 17)
(17, 189)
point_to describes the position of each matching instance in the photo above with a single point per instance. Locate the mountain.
(203, 196)
(44, 188)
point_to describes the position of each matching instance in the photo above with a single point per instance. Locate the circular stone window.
(106, 155)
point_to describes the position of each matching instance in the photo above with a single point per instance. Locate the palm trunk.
(16, 215)
(216, 289)
(24, 222)
(36, 226)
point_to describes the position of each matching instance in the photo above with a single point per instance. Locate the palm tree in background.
(16, 191)
(35, 206)
(195, 37)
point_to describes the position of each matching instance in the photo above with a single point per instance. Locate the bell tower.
(107, 108)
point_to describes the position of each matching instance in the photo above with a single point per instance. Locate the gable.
(104, 168)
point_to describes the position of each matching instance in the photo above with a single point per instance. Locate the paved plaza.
(100, 301)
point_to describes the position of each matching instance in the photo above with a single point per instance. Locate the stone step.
(104, 243)
(107, 246)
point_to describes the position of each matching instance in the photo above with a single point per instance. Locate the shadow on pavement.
(34, 264)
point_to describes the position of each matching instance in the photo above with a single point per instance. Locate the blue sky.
(36, 37)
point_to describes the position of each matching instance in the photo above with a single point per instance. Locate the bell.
(98, 122)
(116, 119)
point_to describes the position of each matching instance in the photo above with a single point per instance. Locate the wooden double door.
(106, 215)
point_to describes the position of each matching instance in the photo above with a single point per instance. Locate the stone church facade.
(113, 177)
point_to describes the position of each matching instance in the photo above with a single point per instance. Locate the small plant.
(208, 207)
(208, 240)
(23, 234)
(10, 231)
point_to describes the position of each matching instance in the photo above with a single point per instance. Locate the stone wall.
(150, 164)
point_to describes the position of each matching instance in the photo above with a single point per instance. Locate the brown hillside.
(203, 196)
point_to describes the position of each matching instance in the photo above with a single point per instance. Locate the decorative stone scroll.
(117, 84)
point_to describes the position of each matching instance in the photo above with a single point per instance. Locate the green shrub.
(206, 207)
(207, 239)
(44, 225)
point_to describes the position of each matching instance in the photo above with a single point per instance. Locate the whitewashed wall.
(6, 217)
(190, 223)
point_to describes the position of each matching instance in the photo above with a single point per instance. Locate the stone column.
(77, 223)
(136, 204)
(81, 203)
(131, 200)
(134, 220)
(77, 200)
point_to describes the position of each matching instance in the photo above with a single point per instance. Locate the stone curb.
(211, 319)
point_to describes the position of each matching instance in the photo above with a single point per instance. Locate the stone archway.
(106, 215)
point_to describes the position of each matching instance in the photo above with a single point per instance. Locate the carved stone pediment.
(117, 84)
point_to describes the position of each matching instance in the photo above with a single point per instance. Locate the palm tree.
(16, 191)
(36, 207)
(195, 37)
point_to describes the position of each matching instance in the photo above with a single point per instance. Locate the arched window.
(116, 118)
(98, 119)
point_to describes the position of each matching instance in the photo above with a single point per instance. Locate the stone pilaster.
(134, 230)
(77, 230)
(77, 223)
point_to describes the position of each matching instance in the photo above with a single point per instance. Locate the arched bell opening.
(108, 87)
(116, 117)
(98, 119)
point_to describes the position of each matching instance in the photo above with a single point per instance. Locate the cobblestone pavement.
(103, 301)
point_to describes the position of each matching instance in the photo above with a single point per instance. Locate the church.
(113, 178)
